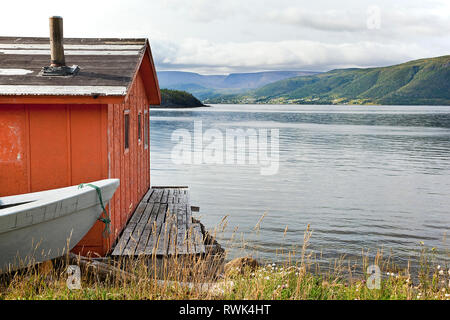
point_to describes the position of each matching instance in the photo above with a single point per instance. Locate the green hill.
(179, 99)
(425, 81)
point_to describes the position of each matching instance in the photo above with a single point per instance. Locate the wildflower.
(441, 272)
(447, 295)
(387, 273)
(438, 267)
(267, 278)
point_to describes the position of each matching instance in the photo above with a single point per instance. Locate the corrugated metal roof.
(107, 66)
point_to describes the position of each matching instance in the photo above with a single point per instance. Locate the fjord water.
(363, 177)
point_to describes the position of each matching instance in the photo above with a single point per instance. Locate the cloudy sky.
(223, 36)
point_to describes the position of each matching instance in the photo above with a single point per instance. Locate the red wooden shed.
(89, 124)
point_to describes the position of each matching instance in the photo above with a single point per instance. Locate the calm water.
(363, 177)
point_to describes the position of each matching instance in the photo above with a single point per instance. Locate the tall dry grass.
(300, 276)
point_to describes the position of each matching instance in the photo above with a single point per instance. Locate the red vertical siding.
(51, 146)
(130, 166)
(48, 147)
(110, 167)
(54, 145)
(89, 141)
(117, 160)
(14, 173)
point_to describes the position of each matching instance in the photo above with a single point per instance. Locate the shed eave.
(58, 90)
(61, 99)
(146, 68)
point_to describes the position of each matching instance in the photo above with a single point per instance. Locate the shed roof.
(107, 68)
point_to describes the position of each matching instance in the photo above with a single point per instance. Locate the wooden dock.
(162, 225)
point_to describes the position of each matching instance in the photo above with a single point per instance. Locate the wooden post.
(56, 42)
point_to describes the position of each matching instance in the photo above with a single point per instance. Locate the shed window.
(127, 130)
(139, 127)
(146, 124)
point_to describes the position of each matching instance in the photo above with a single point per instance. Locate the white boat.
(41, 226)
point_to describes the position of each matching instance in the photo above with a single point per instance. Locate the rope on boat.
(105, 219)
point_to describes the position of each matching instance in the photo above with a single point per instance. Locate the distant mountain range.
(212, 86)
(424, 81)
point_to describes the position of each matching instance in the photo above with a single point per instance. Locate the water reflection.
(362, 177)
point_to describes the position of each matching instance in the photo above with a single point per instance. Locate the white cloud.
(203, 10)
(219, 36)
(331, 20)
(396, 21)
(417, 22)
(207, 57)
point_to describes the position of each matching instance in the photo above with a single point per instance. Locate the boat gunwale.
(45, 198)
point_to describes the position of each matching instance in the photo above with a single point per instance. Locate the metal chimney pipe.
(56, 42)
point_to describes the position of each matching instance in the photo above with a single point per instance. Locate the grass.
(192, 278)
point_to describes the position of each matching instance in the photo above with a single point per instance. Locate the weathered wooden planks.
(162, 225)
(147, 195)
(160, 239)
(138, 229)
(198, 238)
(129, 229)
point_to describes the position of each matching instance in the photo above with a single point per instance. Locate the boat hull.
(50, 224)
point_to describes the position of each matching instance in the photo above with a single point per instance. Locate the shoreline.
(179, 107)
(331, 104)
